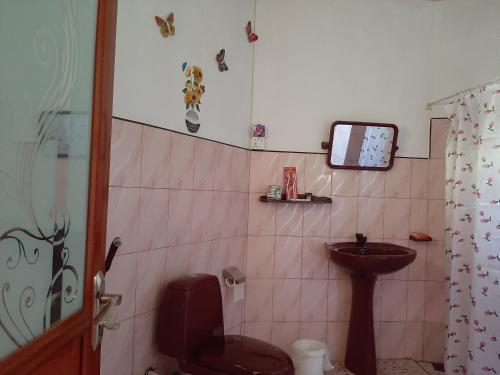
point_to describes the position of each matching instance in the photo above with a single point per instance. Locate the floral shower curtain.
(473, 233)
(375, 149)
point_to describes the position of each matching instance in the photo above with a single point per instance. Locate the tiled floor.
(394, 367)
(429, 369)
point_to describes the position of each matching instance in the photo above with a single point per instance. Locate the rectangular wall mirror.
(362, 145)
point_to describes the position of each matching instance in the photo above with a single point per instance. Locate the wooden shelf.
(314, 200)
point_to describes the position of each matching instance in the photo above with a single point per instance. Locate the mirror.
(362, 145)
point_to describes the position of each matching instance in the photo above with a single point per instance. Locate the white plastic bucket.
(310, 357)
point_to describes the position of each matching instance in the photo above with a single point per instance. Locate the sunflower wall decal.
(193, 92)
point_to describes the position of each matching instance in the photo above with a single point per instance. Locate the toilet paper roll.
(238, 292)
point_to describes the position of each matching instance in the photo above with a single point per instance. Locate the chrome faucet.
(360, 239)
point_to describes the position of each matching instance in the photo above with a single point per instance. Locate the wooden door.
(56, 91)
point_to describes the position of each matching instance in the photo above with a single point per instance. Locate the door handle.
(104, 307)
(115, 244)
(104, 318)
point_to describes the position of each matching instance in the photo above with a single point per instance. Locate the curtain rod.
(429, 105)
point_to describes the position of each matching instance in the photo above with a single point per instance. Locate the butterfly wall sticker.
(166, 25)
(252, 37)
(220, 60)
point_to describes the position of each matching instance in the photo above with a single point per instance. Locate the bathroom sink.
(375, 258)
(365, 261)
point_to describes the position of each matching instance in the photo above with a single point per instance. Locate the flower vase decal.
(193, 91)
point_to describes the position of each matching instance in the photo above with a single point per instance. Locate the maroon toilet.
(191, 329)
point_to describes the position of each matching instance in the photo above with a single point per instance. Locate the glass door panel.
(46, 81)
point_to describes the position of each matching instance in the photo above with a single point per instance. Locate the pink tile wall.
(180, 205)
(183, 205)
(294, 290)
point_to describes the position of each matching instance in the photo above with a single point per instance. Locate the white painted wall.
(466, 46)
(148, 76)
(374, 60)
(316, 61)
(325, 60)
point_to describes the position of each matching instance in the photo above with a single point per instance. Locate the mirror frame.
(358, 123)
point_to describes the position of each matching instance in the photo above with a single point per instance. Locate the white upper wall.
(466, 45)
(318, 61)
(325, 60)
(148, 76)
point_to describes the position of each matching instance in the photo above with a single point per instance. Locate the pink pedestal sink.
(364, 263)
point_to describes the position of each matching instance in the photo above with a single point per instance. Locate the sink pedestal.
(364, 263)
(360, 356)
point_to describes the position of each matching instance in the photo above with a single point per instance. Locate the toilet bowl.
(191, 329)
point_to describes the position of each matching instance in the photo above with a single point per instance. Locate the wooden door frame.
(78, 327)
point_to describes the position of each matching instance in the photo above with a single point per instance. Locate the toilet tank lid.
(193, 282)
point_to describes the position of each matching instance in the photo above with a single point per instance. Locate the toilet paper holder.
(233, 276)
